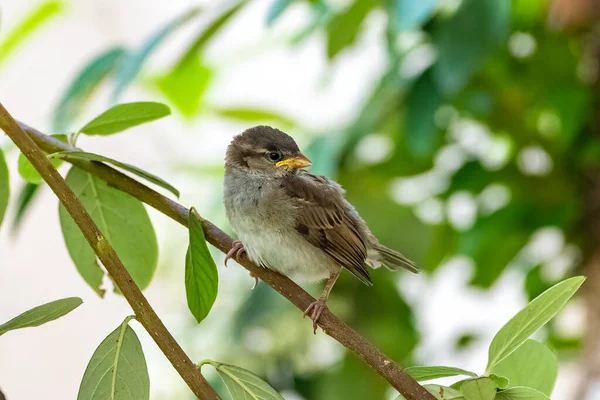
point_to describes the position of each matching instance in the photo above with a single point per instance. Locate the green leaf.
(117, 369)
(343, 28)
(24, 199)
(211, 30)
(124, 222)
(201, 276)
(325, 152)
(535, 284)
(533, 365)
(253, 115)
(83, 87)
(243, 384)
(320, 13)
(41, 314)
(4, 186)
(28, 26)
(27, 170)
(186, 84)
(29, 173)
(276, 10)
(479, 389)
(134, 60)
(125, 116)
(422, 102)
(535, 315)
(444, 393)
(501, 381)
(521, 393)
(425, 373)
(457, 385)
(410, 14)
(464, 40)
(82, 155)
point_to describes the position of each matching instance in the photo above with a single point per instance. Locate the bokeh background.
(465, 132)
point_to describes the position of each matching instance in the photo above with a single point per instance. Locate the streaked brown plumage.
(295, 222)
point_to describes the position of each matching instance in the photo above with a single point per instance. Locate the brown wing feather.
(324, 222)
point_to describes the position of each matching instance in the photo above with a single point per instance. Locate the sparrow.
(294, 222)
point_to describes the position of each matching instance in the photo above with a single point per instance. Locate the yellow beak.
(295, 162)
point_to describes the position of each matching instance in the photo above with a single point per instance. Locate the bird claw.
(314, 311)
(237, 251)
(255, 280)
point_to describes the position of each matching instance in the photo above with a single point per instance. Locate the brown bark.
(590, 360)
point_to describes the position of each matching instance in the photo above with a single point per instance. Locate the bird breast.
(264, 219)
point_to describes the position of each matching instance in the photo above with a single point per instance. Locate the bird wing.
(324, 222)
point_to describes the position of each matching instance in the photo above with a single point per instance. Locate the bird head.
(265, 150)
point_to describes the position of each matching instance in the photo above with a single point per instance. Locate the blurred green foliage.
(35, 20)
(493, 70)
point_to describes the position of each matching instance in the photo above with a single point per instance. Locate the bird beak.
(299, 161)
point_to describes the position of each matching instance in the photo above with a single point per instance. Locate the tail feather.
(394, 260)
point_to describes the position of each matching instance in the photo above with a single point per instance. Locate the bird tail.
(394, 260)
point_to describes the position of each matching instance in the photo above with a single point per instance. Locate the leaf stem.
(204, 362)
(145, 314)
(331, 325)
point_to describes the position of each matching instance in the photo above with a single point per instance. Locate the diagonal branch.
(105, 252)
(331, 325)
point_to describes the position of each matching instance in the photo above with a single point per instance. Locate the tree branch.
(331, 325)
(105, 252)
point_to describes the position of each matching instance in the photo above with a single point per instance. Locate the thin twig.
(331, 325)
(105, 252)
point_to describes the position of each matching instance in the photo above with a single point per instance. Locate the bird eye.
(274, 156)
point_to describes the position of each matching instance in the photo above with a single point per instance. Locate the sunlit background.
(465, 132)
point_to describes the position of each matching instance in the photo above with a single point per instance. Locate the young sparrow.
(294, 222)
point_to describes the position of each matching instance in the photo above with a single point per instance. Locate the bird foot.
(237, 250)
(314, 311)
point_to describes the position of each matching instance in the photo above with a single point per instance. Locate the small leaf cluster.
(518, 367)
(117, 369)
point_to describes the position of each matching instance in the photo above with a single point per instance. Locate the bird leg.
(237, 250)
(315, 308)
